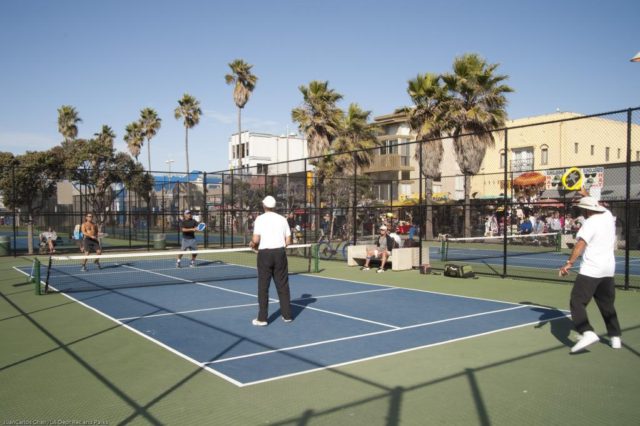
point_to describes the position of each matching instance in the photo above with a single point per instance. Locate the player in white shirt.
(596, 242)
(271, 234)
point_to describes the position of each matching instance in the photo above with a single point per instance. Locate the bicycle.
(327, 250)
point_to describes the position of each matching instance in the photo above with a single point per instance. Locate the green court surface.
(63, 362)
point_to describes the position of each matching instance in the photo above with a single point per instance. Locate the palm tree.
(134, 138)
(68, 120)
(244, 82)
(477, 107)
(189, 111)
(150, 123)
(353, 149)
(427, 119)
(318, 118)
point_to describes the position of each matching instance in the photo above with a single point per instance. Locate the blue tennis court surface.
(545, 260)
(336, 322)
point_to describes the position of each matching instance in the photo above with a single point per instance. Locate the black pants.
(603, 291)
(273, 263)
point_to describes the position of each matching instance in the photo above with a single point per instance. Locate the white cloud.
(19, 143)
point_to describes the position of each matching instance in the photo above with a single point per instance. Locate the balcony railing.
(389, 163)
(522, 165)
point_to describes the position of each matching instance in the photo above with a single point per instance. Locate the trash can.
(5, 245)
(159, 241)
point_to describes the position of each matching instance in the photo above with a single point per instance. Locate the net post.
(559, 241)
(443, 250)
(36, 276)
(316, 258)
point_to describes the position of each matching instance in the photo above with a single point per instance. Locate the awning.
(529, 179)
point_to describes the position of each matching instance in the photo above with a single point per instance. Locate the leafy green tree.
(427, 118)
(150, 124)
(95, 164)
(134, 138)
(244, 82)
(68, 120)
(28, 182)
(477, 107)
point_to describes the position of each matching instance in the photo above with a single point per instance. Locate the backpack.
(458, 271)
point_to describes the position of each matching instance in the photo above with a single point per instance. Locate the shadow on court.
(560, 327)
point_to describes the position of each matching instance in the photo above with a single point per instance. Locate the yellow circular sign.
(572, 179)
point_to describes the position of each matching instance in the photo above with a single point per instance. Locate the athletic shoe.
(259, 323)
(588, 338)
(616, 342)
(192, 264)
(98, 265)
(287, 320)
(380, 271)
(84, 269)
(365, 268)
(178, 264)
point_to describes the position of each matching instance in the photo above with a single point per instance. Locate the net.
(486, 248)
(110, 271)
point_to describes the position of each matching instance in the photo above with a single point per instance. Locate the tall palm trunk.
(428, 229)
(467, 206)
(186, 152)
(241, 221)
(148, 156)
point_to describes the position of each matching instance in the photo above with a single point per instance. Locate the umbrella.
(550, 202)
(529, 179)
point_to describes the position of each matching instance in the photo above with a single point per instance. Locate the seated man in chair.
(48, 240)
(384, 245)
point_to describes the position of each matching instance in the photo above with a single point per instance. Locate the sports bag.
(458, 271)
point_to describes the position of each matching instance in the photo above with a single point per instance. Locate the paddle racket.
(201, 227)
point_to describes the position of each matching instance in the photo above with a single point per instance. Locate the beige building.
(553, 143)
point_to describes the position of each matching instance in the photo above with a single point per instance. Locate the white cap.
(590, 203)
(269, 202)
(187, 211)
(383, 227)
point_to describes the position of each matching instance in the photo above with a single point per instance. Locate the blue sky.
(110, 59)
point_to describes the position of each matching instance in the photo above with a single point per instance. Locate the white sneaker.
(588, 338)
(365, 268)
(380, 271)
(192, 265)
(178, 264)
(259, 323)
(616, 342)
(287, 320)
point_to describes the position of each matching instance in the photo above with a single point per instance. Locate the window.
(619, 151)
(575, 147)
(262, 168)
(593, 149)
(637, 155)
(606, 154)
(544, 155)
(503, 159)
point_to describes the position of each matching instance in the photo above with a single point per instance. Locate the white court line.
(192, 311)
(191, 281)
(354, 361)
(159, 343)
(358, 336)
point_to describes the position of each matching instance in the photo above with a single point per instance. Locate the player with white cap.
(271, 234)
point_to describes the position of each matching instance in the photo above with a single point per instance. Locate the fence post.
(627, 232)
(205, 209)
(13, 201)
(355, 199)
(223, 215)
(504, 198)
(420, 215)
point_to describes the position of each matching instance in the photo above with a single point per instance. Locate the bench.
(401, 259)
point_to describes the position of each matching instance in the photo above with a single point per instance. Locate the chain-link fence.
(504, 197)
